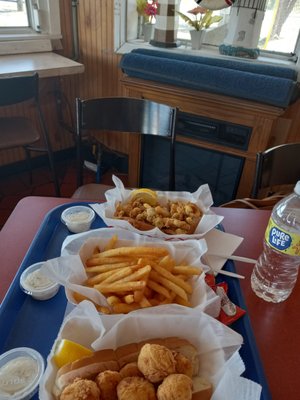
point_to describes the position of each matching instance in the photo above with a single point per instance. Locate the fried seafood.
(135, 388)
(176, 217)
(183, 364)
(107, 382)
(156, 362)
(81, 389)
(130, 369)
(175, 387)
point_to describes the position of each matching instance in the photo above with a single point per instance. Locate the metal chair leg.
(49, 151)
(29, 166)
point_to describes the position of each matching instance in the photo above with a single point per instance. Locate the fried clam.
(175, 217)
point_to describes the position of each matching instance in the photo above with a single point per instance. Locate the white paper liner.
(202, 197)
(69, 271)
(217, 344)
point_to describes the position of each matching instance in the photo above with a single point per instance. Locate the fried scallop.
(156, 362)
(107, 382)
(135, 388)
(81, 389)
(175, 387)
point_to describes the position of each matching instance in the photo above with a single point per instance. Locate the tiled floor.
(13, 188)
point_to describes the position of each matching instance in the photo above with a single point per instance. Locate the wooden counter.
(46, 64)
(261, 118)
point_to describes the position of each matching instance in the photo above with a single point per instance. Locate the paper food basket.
(217, 344)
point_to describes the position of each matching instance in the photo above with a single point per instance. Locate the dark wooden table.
(276, 326)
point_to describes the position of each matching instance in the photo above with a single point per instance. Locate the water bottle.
(275, 273)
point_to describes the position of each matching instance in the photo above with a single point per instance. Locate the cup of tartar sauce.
(21, 370)
(78, 218)
(36, 284)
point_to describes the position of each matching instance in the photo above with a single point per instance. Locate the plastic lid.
(297, 188)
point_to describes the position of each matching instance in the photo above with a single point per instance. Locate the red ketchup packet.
(230, 312)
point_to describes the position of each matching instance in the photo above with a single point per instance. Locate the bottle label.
(281, 240)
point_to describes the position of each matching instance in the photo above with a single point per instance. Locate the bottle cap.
(297, 188)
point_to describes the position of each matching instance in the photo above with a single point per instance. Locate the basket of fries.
(121, 271)
(166, 215)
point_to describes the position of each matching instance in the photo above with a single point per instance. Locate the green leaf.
(188, 20)
(140, 7)
(205, 21)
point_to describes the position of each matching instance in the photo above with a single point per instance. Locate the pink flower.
(151, 9)
(197, 10)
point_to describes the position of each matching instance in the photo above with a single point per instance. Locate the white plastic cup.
(24, 390)
(78, 218)
(38, 293)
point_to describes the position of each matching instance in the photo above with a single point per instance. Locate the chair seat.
(17, 131)
(91, 191)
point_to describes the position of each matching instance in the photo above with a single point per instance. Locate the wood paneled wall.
(101, 77)
(96, 40)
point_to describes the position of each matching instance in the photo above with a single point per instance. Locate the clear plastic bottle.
(275, 273)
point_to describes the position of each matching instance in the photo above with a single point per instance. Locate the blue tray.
(30, 323)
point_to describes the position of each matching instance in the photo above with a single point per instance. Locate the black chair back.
(128, 115)
(18, 89)
(277, 166)
(21, 130)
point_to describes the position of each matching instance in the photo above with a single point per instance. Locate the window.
(13, 13)
(279, 34)
(279, 30)
(31, 24)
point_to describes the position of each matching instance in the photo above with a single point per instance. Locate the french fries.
(137, 277)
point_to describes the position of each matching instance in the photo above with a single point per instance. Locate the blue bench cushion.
(267, 84)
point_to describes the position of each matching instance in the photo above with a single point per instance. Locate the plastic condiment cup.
(78, 218)
(42, 292)
(11, 376)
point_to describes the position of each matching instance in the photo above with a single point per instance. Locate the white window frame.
(45, 30)
(122, 32)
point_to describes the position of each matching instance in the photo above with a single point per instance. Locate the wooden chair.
(21, 131)
(121, 114)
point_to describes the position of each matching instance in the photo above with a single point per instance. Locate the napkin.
(221, 243)
(68, 270)
(217, 344)
(201, 197)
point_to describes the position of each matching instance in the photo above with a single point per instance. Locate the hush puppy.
(156, 362)
(183, 364)
(130, 369)
(107, 382)
(81, 389)
(135, 388)
(175, 387)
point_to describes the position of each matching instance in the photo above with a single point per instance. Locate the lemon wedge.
(145, 196)
(67, 351)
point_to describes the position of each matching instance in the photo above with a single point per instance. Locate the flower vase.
(140, 26)
(148, 30)
(196, 39)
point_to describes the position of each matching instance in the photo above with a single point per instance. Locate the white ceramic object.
(13, 384)
(35, 284)
(78, 218)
